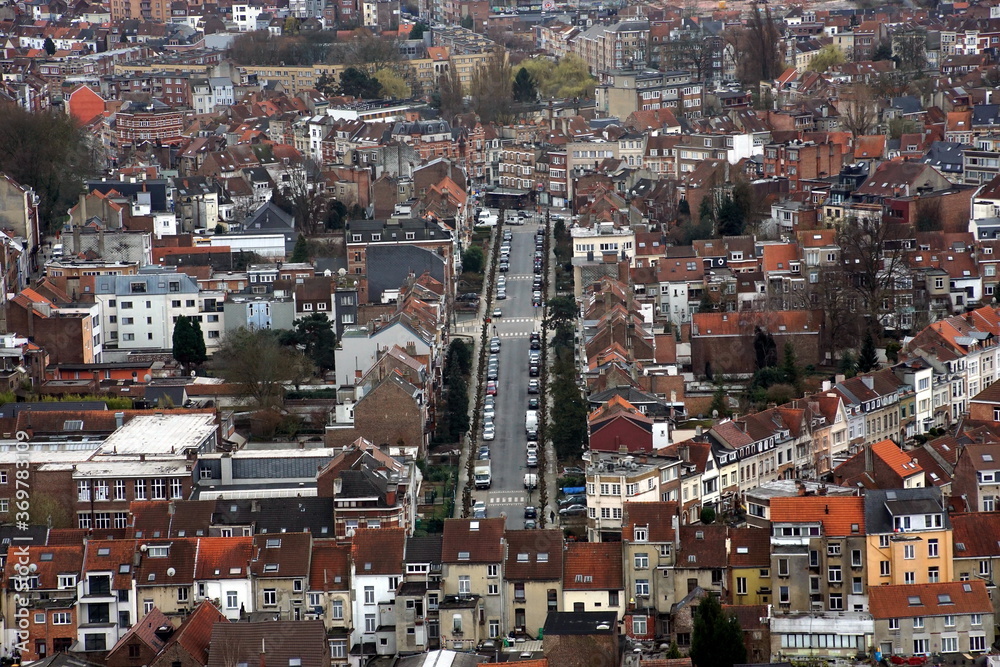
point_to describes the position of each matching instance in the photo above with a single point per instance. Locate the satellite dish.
(33, 567)
(341, 272)
(193, 374)
(147, 377)
(171, 571)
(327, 273)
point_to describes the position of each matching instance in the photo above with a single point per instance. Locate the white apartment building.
(138, 312)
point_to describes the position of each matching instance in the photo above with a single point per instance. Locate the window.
(61, 618)
(182, 594)
(464, 585)
(883, 568)
(640, 534)
(338, 648)
(337, 609)
(831, 549)
(836, 602)
(67, 580)
(641, 561)
(883, 541)
(977, 643)
(782, 567)
(857, 586)
(232, 600)
(176, 488)
(369, 595)
(909, 551)
(639, 625)
(894, 624)
(741, 585)
(370, 623)
(783, 597)
(949, 644)
(493, 589)
(270, 596)
(933, 575)
(918, 622)
(642, 587)
(83, 491)
(932, 548)
(909, 577)
(920, 646)
(834, 574)
(976, 619)
(119, 489)
(158, 489)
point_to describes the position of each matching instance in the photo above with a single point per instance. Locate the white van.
(57, 251)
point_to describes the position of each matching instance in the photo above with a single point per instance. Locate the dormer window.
(464, 555)
(640, 534)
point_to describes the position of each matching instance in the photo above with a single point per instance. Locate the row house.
(418, 624)
(613, 47)
(614, 481)
(949, 617)
(909, 537)
(376, 572)
(820, 539)
(872, 405)
(517, 168)
(650, 540)
(802, 160)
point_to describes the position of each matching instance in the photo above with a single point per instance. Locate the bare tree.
(832, 293)
(452, 95)
(877, 262)
(756, 47)
(309, 206)
(694, 51)
(491, 88)
(259, 365)
(858, 109)
(371, 53)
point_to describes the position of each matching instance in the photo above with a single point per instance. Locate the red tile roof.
(195, 633)
(941, 599)
(658, 517)
(330, 569)
(223, 557)
(838, 514)
(895, 458)
(534, 555)
(480, 539)
(593, 566)
(974, 535)
(702, 547)
(50, 562)
(174, 569)
(378, 550)
(749, 547)
(145, 630)
(111, 556)
(289, 551)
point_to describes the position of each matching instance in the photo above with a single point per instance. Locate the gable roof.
(195, 633)
(281, 641)
(659, 517)
(330, 567)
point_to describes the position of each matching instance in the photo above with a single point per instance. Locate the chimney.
(76, 240)
(172, 508)
(801, 488)
(869, 459)
(83, 208)
(263, 662)
(827, 385)
(390, 495)
(100, 242)
(869, 381)
(822, 492)
(119, 419)
(685, 453)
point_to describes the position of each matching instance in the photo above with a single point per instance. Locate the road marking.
(507, 500)
(516, 334)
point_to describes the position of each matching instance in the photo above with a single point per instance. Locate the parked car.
(532, 461)
(533, 370)
(497, 312)
(533, 386)
(530, 512)
(489, 412)
(491, 388)
(573, 470)
(532, 403)
(530, 524)
(576, 499)
(489, 431)
(573, 510)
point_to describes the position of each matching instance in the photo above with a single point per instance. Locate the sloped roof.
(593, 566)
(941, 599)
(378, 551)
(534, 555)
(838, 514)
(480, 539)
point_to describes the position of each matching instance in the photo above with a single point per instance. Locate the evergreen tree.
(848, 366)
(790, 367)
(719, 406)
(868, 357)
(525, 89)
(314, 333)
(300, 254)
(49, 46)
(717, 640)
(188, 342)
(473, 260)
(358, 83)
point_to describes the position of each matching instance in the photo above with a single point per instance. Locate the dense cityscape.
(282, 279)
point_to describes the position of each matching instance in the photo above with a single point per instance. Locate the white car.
(489, 412)
(489, 431)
